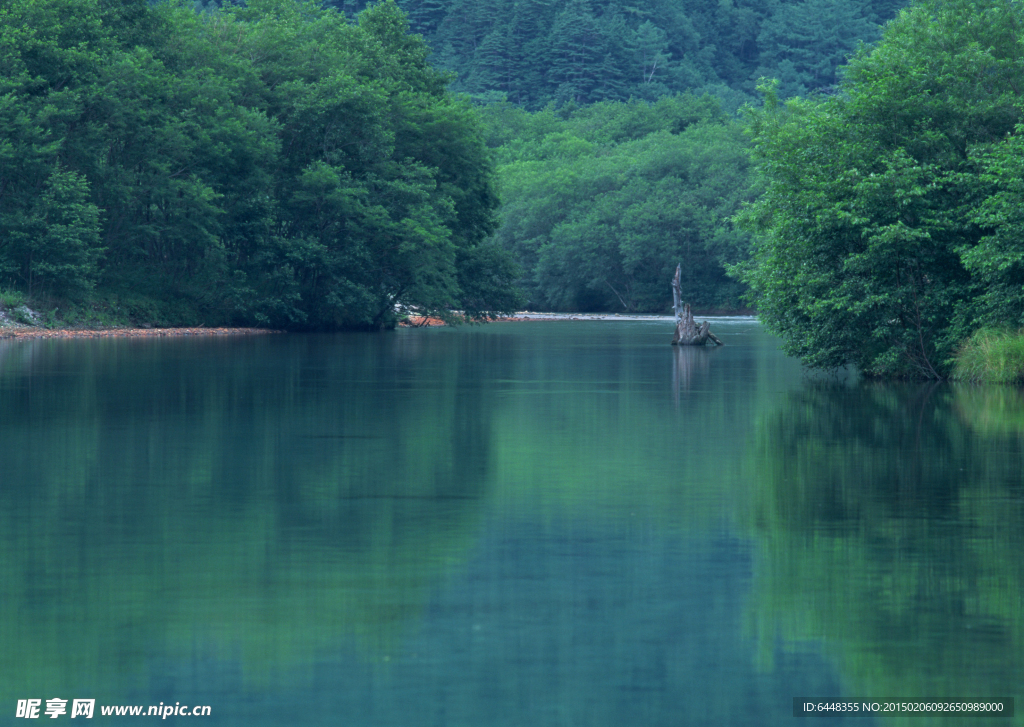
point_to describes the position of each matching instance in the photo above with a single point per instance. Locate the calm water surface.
(547, 523)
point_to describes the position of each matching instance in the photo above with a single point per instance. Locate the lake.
(544, 523)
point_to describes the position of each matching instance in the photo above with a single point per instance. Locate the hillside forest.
(271, 164)
(849, 169)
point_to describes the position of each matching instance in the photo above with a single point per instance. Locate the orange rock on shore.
(421, 322)
(427, 321)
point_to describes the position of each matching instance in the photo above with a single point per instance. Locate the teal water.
(545, 523)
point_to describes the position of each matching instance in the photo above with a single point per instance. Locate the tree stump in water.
(688, 332)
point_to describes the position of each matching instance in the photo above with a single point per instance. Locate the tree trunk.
(688, 332)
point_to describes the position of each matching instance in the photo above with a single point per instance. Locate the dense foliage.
(890, 225)
(272, 163)
(532, 52)
(601, 202)
(619, 173)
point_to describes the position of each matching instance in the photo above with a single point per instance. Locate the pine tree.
(578, 52)
(530, 25)
(804, 44)
(464, 27)
(494, 64)
(426, 16)
(651, 51)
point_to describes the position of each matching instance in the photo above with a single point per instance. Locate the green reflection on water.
(890, 527)
(264, 500)
(662, 440)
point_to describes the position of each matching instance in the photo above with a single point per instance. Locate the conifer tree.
(805, 43)
(578, 52)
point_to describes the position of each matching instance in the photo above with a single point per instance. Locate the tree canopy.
(603, 192)
(889, 226)
(534, 52)
(600, 203)
(270, 163)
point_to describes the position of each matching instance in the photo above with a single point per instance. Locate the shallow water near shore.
(537, 523)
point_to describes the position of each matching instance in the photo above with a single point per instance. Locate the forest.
(535, 52)
(270, 164)
(600, 203)
(618, 129)
(297, 165)
(851, 170)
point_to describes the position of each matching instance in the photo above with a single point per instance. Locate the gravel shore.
(31, 332)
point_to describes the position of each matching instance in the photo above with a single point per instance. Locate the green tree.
(52, 247)
(384, 185)
(864, 236)
(997, 261)
(577, 53)
(594, 50)
(651, 52)
(804, 44)
(425, 16)
(49, 228)
(494, 66)
(269, 163)
(599, 207)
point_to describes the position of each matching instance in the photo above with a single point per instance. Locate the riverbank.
(431, 322)
(23, 332)
(28, 332)
(523, 316)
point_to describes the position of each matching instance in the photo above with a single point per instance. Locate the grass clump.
(11, 299)
(993, 356)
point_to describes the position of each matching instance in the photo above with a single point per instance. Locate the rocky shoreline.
(23, 332)
(523, 316)
(28, 332)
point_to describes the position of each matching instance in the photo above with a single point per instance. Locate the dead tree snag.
(688, 331)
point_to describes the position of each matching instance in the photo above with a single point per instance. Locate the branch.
(626, 307)
(677, 292)
(653, 69)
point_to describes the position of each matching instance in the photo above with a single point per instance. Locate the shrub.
(995, 356)
(11, 299)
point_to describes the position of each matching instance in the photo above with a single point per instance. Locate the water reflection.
(513, 525)
(991, 410)
(186, 498)
(890, 525)
(688, 363)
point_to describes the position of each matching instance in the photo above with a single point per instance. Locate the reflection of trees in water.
(991, 410)
(268, 498)
(15, 355)
(689, 363)
(894, 533)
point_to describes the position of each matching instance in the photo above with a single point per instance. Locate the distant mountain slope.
(533, 52)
